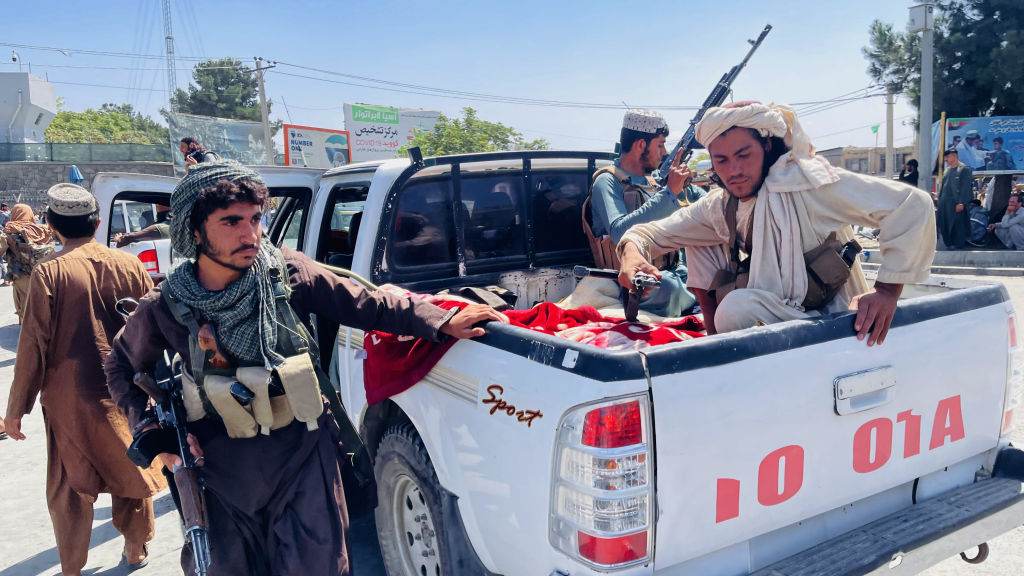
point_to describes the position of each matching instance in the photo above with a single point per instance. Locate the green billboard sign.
(374, 114)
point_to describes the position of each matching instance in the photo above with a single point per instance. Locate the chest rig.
(635, 196)
(247, 398)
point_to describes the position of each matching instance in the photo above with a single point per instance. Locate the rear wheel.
(409, 517)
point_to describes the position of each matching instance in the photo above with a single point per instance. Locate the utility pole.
(263, 108)
(172, 78)
(922, 20)
(890, 154)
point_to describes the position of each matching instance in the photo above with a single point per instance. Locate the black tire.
(403, 470)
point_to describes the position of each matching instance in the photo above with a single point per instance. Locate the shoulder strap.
(614, 170)
(292, 334)
(198, 358)
(187, 318)
(731, 208)
(300, 342)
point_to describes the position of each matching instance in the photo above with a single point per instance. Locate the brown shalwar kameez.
(66, 334)
(275, 503)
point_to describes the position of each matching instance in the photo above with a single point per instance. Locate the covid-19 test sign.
(377, 132)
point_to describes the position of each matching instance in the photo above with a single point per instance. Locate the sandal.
(134, 559)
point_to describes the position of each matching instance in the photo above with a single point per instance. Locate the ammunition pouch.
(827, 271)
(298, 378)
(602, 247)
(725, 281)
(299, 375)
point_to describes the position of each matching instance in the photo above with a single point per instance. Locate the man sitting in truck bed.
(775, 213)
(626, 194)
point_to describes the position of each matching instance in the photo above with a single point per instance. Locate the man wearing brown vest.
(625, 194)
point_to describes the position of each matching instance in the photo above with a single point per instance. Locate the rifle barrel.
(715, 98)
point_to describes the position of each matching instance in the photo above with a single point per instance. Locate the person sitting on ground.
(161, 229)
(979, 223)
(785, 208)
(1010, 231)
(23, 244)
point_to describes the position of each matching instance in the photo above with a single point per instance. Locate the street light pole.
(264, 113)
(921, 20)
(890, 153)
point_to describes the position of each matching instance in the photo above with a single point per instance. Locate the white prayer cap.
(71, 200)
(646, 121)
(769, 120)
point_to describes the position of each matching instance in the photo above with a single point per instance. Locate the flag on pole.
(874, 129)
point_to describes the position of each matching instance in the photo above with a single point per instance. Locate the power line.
(406, 88)
(109, 53)
(106, 86)
(129, 68)
(860, 127)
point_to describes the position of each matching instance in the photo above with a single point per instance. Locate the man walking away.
(68, 325)
(23, 245)
(5, 216)
(955, 196)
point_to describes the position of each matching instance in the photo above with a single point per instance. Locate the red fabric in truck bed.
(395, 363)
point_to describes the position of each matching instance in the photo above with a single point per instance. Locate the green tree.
(111, 124)
(979, 45)
(222, 88)
(470, 134)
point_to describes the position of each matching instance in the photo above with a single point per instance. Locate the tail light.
(603, 490)
(149, 261)
(1014, 377)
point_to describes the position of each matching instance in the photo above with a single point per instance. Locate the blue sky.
(640, 53)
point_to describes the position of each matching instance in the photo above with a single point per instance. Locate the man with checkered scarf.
(273, 485)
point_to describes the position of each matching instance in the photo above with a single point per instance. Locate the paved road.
(26, 538)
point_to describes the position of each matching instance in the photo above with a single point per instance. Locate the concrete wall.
(27, 182)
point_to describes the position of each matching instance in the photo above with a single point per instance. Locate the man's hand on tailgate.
(461, 325)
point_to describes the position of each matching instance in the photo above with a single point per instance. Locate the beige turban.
(770, 120)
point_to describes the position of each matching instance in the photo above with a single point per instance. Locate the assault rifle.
(717, 96)
(171, 436)
(631, 299)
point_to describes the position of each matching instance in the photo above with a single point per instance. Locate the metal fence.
(56, 152)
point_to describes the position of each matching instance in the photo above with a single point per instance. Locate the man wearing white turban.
(778, 201)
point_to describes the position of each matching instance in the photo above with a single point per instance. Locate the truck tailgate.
(785, 422)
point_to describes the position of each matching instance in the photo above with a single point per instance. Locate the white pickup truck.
(780, 450)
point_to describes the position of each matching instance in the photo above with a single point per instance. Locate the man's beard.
(207, 250)
(753, 192)
(647, 163)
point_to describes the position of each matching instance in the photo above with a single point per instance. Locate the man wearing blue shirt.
(626, 194)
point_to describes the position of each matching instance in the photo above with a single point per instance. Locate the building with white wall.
(27, 105)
